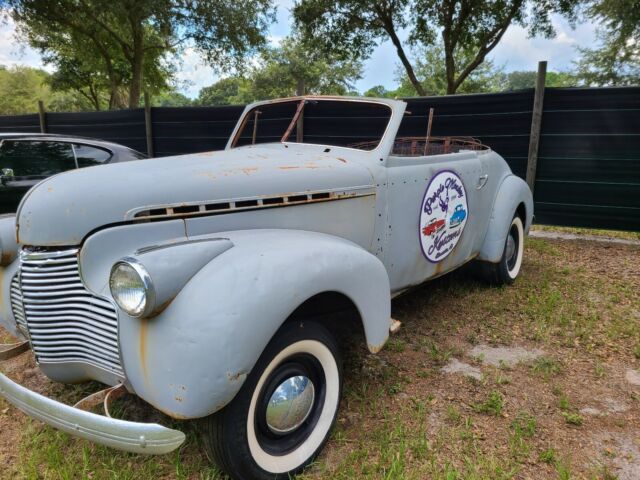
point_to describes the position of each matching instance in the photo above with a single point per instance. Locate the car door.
(435, 215)
(25, 162)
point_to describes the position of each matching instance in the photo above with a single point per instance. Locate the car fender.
(192, 358)
(512, 193)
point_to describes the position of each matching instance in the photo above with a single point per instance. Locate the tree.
(617, 61)
(430, 70)
(138, 33)
(21, 88)
(518, 80)
(226, 91)
(468, 29)
(283, 71)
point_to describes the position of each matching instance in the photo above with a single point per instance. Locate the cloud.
(13, 53)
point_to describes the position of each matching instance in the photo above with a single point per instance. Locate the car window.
(29, 157)
(88, 156)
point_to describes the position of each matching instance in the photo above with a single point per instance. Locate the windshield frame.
(396, 111)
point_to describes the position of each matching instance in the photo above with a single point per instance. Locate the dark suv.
(27, 158)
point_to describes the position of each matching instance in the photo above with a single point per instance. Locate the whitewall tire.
(284, 412)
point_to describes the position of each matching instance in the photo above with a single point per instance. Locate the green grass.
(589, 231)
(492, 405)
(546, 366)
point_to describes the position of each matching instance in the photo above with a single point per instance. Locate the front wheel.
(508, 268)
(283, 415)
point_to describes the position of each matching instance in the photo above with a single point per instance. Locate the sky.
(515, 52)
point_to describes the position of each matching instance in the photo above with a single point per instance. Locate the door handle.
(482, 181)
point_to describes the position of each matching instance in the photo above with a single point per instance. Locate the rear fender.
(512, 193)
(192, 358)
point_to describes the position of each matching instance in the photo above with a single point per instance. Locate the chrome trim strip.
(149, 438)
(336, 194)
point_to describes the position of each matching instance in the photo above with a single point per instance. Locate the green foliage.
(127, 43)
(281, 72)
(21, 88)
(467, 29)
(617, 60)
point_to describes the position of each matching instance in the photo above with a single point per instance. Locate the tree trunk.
(391, 31)
(137, 64)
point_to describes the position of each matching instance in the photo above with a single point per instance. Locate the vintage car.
(212, 287)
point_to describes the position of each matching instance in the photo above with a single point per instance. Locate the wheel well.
(521, 211)
(334, 310)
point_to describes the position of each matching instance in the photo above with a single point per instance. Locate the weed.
(492, 405)
(599, 369)
(548, 456)
(453, 415)
(546, 366)
(396, 345)
(573, 418)
(636, 351)
(564, 404)
(524, 424)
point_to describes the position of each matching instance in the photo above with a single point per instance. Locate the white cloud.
(11, 52)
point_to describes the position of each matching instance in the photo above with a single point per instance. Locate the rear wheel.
(284, 412)
(508, 268)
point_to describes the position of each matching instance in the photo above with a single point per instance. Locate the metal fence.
(588, 169)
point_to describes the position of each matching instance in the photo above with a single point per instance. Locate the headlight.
(131, 287)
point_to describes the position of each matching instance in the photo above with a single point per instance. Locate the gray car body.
(241, 238)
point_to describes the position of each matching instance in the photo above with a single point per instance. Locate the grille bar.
(66, 322)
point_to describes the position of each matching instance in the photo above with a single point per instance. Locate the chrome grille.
(16, 306)
(66, 322)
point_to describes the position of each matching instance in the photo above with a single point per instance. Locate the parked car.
(28, 158)
(211, 287)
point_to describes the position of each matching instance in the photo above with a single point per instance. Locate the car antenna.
(429, 124)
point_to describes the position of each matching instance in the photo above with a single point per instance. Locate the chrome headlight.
(132, 288)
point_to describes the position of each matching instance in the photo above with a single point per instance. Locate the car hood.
(63, 209)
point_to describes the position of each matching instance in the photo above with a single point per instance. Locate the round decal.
(443, 215)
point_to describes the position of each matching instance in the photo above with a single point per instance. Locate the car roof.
(65, 138)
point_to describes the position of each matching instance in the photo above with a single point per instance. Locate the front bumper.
(149, 438)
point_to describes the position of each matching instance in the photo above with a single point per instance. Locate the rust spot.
(376, 348)
(438, 269)
(249, 171)
(234, 377)
(342, 160)
(178, 399)
(288, 168)
(143, 348)
(50, 189)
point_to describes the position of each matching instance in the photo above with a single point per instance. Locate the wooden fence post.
(147, 124)
(536, 122)
(42, 116)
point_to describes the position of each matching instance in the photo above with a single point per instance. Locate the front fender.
(512, 192)
(191, 359)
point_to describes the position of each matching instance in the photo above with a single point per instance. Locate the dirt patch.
(504, 356)
(633, 377)
(456, 366)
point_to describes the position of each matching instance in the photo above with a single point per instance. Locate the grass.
(402, 418)
(590, 231)
(492, 405)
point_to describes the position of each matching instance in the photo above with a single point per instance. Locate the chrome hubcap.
(511, 247)
(290, 404)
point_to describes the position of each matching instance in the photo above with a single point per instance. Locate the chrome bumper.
(149, 438)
